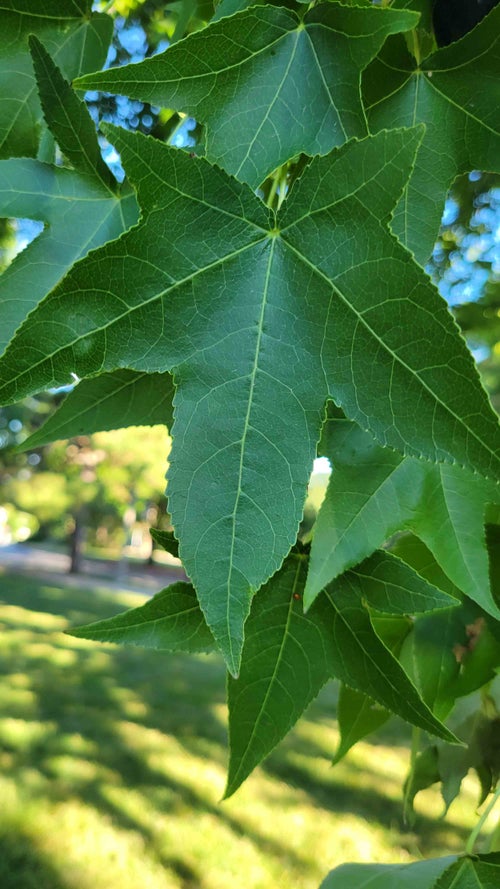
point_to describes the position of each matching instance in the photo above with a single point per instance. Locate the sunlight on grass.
(113, 763)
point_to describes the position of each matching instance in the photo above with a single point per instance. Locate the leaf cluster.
(264, 299)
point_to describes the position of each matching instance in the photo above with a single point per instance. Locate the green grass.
(113, 761)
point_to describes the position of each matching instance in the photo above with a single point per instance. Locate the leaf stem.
(416, 736)
(272, 192)
(471, 842)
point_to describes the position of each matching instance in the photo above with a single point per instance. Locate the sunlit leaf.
(455, 91)
(244, 77)
(212, 286)
(375, 492)
(78, 41)
(171, 621)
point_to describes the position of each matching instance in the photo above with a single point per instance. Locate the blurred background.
(112, 761)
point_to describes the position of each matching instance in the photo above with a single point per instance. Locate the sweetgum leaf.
(79, 214)
(261, 319)
(375, 492)
(111, 401)
(419, 875)
(75, 37)
(267, 82)
(357, 717)
(278, 677)
(171, 621)
(472, 872)
(167, 540)
(67, 117)
(456, 92)
(450, 654)
(388, 585)
(361, 660)
(81, 210)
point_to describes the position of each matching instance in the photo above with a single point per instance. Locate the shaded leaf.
(472, 872)
(67, 117)
(375, 492)
(110, 401)
(419, 875)
(215, 288)
(391, 586)
(279, 678)
(424, 774)
(450, 654)
(243, 77)
(357, 717)
(167, 540)
(171, 621)
(456, 92)
(361, 660)
(78, 41)
(79, 214)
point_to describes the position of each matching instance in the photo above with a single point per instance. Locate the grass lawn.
(112, 765)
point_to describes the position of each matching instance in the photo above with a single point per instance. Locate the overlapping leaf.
(478, 871)
(375, 492)
(456, 92)
(279, 677)
(357, 716)
(77, 39)
(261, 319)
(170, 621)
(267, 82)
(81, 208)
(110, 401)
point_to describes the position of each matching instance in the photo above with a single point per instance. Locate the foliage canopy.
(264, 298)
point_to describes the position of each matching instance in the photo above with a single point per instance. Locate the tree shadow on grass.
(89, 718)
(23, 867)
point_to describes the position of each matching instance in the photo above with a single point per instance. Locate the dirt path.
(54, 567)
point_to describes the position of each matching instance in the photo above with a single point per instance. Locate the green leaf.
(389, 585)
(244, 77)
(472, 872)
(423, 774)
(419, 875)
(167, 540)
(170, 621)
(357, 717)
(110, 401)
(375, 492)
(67, 117)
(79, 214)
(214, 289)
(456, 93)
(279, 678)
(449, 654)
(75, 38)
(362, 661)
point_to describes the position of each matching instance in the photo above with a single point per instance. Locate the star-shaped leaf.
(81, 208)
(77, 39)
(261, 319)
(110, 401)
(456, 92)
(267, 82)
(375, 492)
(170, 621)
(278, 677)
(467, 872)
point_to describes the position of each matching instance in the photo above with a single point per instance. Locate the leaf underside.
(259, 326)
